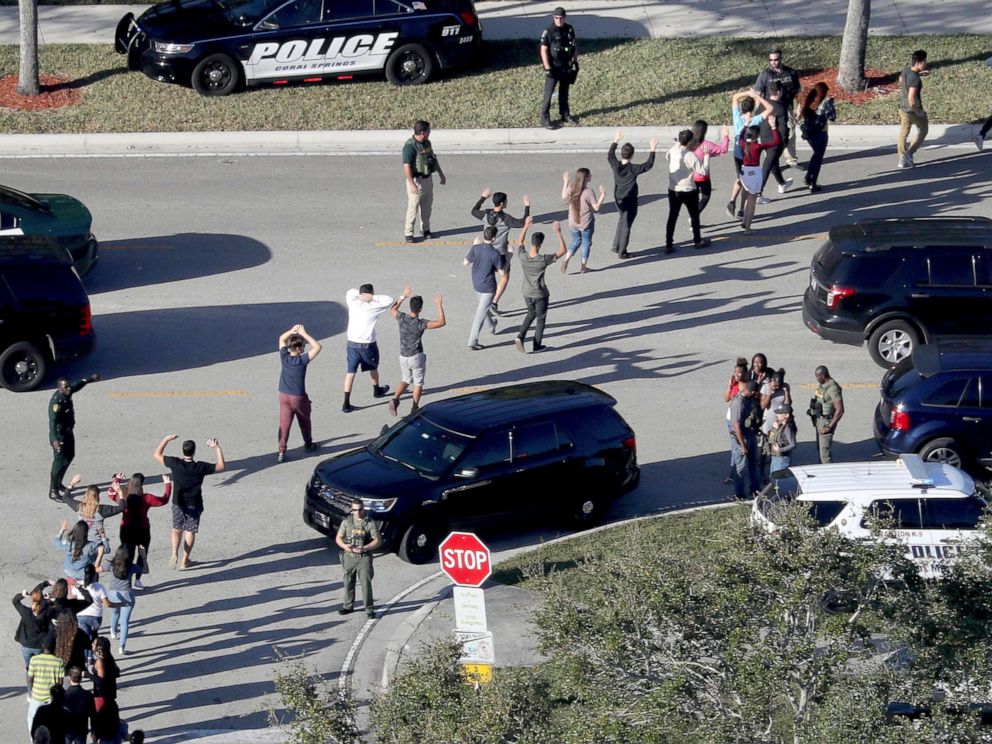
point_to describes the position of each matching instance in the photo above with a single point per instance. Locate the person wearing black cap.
(560, 58)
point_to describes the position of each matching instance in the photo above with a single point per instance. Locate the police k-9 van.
(931, 508)
(218, 45)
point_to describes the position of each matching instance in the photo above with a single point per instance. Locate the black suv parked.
(897, 282)
(44, 311)
(557, 449)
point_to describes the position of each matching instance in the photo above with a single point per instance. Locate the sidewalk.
(95, 24)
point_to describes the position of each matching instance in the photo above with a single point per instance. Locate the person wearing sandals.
(187, 506)
(135, 527)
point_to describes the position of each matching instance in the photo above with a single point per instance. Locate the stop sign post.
(465, 559)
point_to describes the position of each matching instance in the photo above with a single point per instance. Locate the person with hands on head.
(90, 510)
(357, 537)
(534, 264)
(187, 506)
(362, 348)
(582, 207)
(293, 398)
(497, 217)
(751, 176)
(742, 109)
(35, 622)
(625, 191)
(413, 360)
(61, 431)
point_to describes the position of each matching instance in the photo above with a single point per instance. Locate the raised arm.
(440, 322)
(314, 344)
(284, 338)
(214, 444)
(477, 210)
(394, 309)
(159, 453)
(562, 248)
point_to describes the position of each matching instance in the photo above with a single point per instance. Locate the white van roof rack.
(917, 470)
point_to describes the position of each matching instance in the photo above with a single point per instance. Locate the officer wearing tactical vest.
(419, 165)
(61, 422)
(357, 537)
(560, 58)
(826, 409)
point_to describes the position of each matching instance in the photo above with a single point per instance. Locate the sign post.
(466, 560)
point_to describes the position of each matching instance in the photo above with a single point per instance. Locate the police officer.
(61, 422)
(420, 163)
(826, 408)
(357, 537)
(560, 58)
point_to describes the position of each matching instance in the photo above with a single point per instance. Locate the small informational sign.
(477, 647)
(477, 674)
(470, 609)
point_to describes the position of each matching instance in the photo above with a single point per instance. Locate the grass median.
(622, 83)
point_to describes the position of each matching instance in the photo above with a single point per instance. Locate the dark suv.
(938, 404)
(44, 311)
(553, 449)
(897, 282)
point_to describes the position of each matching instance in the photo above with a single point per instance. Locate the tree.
(851, 74)
(28, 83)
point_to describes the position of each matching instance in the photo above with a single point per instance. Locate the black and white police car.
(218, 45)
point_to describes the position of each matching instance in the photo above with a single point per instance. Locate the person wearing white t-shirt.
(364, 309)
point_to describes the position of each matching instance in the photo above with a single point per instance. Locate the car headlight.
(379, 505)
(166, 47)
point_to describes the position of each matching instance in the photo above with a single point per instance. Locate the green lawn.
(622, 83)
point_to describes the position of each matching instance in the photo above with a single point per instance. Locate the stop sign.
(465, 559)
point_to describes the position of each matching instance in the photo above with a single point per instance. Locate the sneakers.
(346, 610)
(476, 347)
(311, 446)
(121, 651)
(281, 458)
(669, 248)
(740, 214)
(138, 584)
(370, 613)
(494, 308)
(763, 200)
(539, 347)
(409, 239)
(791, 162)
(393, 405)
(730, 209)
(569, 119)
(979, 142)
(547, 124)
(379, 391)
(909, 159)
(492, 321)
(347, 408)
(113, 634)
(703, 243)
(428, 235)
(814, 188)
(783, 187)
(905, 162)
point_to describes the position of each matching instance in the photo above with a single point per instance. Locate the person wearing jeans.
(120, 594)
(582, 208)
(486, 264)
(745, 419)
(683, 165)
(782, 438)
(535, 292)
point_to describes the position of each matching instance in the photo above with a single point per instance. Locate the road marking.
(469, 389)
(180, 394)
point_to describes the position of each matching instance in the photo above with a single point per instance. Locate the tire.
(590, 509)
(944, 450)
(892, 342)
(22, 367)
(411, 64)
(216, 75)
(420, 541)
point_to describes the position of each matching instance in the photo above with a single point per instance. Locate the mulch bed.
(56, 91)
(879, 84)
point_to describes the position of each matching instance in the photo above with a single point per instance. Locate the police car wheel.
(411, 64)
(420, 541)
(22, 367)
(892, 342)
(944, 450)
(216, 75)
(589, 510)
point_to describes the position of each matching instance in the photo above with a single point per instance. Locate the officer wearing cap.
(560, 58)
(61, 423)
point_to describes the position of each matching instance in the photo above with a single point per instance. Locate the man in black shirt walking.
(770, 165)
(788, 78)
(560, 58)
(534, 264)
(497, 217)
(625, 190)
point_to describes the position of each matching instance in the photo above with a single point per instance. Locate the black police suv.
(218, 45)
(898, 282)
(44, 311)
(60, 216)
(526, 452)
(938, 404)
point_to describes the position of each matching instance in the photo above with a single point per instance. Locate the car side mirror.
(467, 473)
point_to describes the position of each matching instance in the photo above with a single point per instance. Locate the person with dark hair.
(779, 72)
(60, 599)
(759, 369)
(105, 673)
(90, 617)
(683, 165)
(817, 110)
(187, 506)
(357, 537)
(90, 510)
(41, 736)
(745, 420)
(364, 309)
(293, 398)
(742, 109)
(826, 410)
(486, 265)
(413, 360)
(497, 217)
(625, 191)
(51, 716)
(120, 594)
(107, 725)
(137, 737)
(773, 393)
(911, 111)
(560, 60)
(79, 551)
(779, 114)
(33, 627)
(78, 708)
(71, 642)
(703, 149)
(533, 264)
(751, 173)
(582, 207)
(781, 437)
(737, 378)
(45, 671)
(135, 528)
(419, 166)
(61, 431)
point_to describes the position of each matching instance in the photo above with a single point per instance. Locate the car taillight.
(630, 443)
(899, 420)
(836, 293)
(469, 17)
(85, 321)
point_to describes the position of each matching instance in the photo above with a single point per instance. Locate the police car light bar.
(917, 470)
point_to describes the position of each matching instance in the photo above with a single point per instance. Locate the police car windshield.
(247, 12)
(421, 446)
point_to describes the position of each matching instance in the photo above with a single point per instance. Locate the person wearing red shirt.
(135, 528)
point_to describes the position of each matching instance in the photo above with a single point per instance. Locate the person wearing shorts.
(364, 309)
(413, 361)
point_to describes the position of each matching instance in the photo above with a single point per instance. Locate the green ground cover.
(622, 83)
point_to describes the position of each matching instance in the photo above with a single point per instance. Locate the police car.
(218, 45)
(933, 509)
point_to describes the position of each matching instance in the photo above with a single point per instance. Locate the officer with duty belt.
(61, 422)
(357, 537)
(826, 409)
(560, 58)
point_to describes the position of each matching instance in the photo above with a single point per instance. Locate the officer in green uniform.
(357, 537)
(420, 163)
(826, 408)
(61, 422)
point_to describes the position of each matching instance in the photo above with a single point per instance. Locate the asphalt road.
(205, 261)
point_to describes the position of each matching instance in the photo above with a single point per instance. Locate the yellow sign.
(477, 674)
